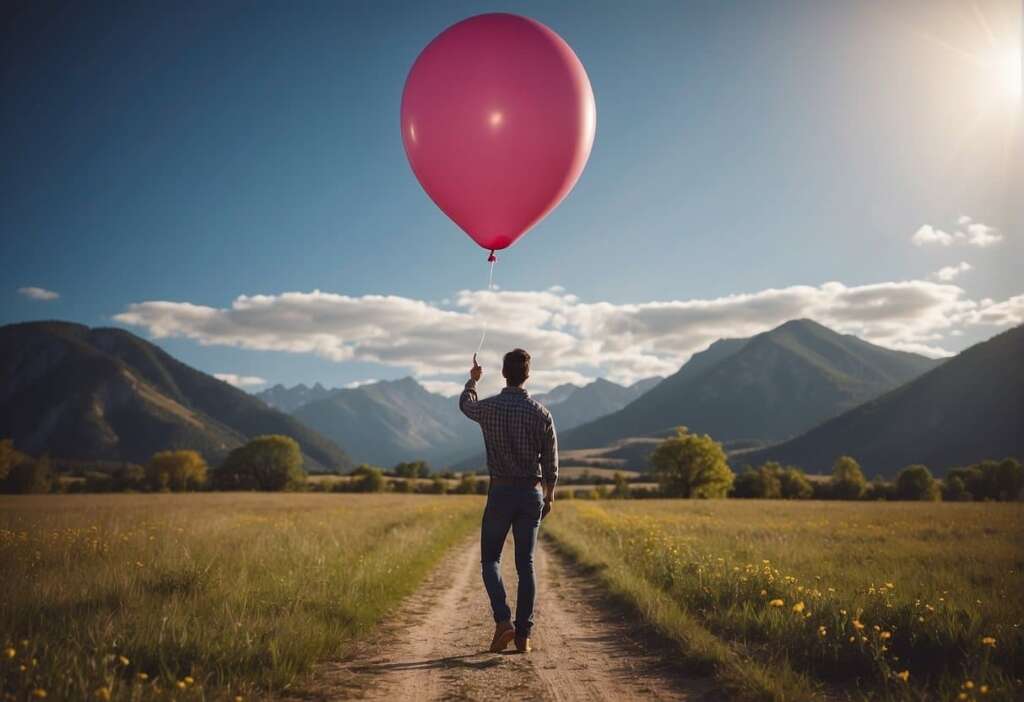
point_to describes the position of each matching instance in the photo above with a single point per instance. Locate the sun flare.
(1007, 74)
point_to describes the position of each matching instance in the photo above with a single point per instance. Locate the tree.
(437, 486)
(28, 476)
(916, 483)
(128, 477)
(621, 489)
(772, 481)
(1005, 479)
(467, 484)
(954, 489)
(794, 484)
(8, 457)
(367, 478)
(270, 463)
(412, 469)
(848, 481)
(691, 465)
(176, 471)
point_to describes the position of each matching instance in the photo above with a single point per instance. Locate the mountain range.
(391, 421)
(290, 399)
(768, 388)
(968, 409)
(108, 395)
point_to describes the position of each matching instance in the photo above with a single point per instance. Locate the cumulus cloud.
(240, 381)
(571, 340)
(970, 232)
(948, 273)
(928, 234)
(42, 294)
(982, 235)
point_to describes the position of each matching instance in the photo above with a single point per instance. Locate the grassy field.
(796, 600)
(202, 596)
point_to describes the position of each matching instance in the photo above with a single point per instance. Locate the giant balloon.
(498, 120)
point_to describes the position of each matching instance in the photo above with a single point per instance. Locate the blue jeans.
(518, 508)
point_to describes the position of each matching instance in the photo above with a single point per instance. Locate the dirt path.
(435, 648)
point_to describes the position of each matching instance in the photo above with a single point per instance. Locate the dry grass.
(203, 596)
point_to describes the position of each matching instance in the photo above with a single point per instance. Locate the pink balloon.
(498, 119)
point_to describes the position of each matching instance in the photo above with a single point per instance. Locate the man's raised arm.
(468, 401)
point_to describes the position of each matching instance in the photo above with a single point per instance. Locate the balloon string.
(490, 284)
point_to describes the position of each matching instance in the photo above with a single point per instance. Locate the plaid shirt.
(519, 433)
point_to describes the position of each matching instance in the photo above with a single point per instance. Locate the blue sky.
(195, 154)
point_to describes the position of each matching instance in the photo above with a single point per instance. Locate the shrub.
(270, 463)
(691, 465)
(848, 481)
(176, 471)
(916, 483)
(28, 476)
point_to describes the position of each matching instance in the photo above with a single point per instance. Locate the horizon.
(251, 211)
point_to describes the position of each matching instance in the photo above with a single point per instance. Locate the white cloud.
(982, 235)
(360, 383)
(240, 381)
(948, 273)
(571, 340)
(928, 234)
(971, 233)
(41, 294)
(1001, 314)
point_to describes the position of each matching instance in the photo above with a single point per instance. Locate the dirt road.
(435, 648)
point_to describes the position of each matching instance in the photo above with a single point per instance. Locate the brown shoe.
(523, 644)
(504, 632)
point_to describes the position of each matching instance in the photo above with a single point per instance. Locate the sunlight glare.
(1006, 70)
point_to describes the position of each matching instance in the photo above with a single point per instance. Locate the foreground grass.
(792, 600)
(207, 596)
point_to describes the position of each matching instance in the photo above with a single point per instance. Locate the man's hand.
(476, 371)
(546, 510)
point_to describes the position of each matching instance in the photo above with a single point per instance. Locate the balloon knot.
(492, 258)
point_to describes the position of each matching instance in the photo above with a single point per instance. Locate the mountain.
(593, 400)
(106, 394)
(968, 409)
(767, 388)
(290, 399)
(392, 421)
(559, 393)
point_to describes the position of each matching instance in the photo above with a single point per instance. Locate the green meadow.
(799, 600)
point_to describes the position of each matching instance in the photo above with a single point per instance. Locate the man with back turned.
(522, 459)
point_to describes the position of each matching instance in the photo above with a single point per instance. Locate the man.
(522, 454)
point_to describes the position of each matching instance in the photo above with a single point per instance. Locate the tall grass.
(785, 600)
(202, 596)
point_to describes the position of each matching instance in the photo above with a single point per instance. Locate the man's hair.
(516, 367)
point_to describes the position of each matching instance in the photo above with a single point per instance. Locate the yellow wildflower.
(180, 684)
(857, 625)
(143, 676)
(822, 631)
(983, 689)
(103, 693)
(890, 586)
(39, 693)
(189, 680)
(124, 660)
(238, 698)
(798, 607)
(885, 635)
(969, 684)
(988, 641)
(903, 675)
(10, 652)
(776, 603)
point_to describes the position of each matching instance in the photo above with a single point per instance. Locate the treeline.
(692, 465)
(270, 462)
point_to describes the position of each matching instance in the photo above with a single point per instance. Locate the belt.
(518, 482)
